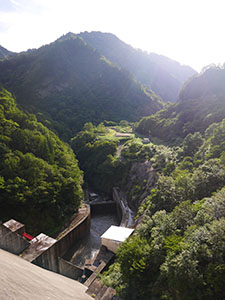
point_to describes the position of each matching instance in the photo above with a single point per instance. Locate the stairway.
(99, 292)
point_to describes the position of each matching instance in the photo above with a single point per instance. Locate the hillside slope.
(178, 249)
(22, 280)
(40, 181)
(4, 53)
(208, 83)
(72, 84)
(202, 102)
(163, 75)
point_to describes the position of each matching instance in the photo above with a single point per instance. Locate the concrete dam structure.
(51, 253)
(43, 250)
(22, 280)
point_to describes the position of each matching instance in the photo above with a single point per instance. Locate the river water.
(87, 247)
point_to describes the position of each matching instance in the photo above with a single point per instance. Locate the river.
(87, 248)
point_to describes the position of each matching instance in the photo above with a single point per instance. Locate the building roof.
(37, 246)
(117, 233)
(122, 134)
(13, 225)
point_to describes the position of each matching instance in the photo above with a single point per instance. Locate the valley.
(89, 110)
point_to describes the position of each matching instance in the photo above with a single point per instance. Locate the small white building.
(146, 141)
(114, 236)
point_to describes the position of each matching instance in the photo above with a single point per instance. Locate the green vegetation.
(177, 255)
(96, 149)
(176, 185)
(202, 103)
(40, 182)
(67, 83)
(163, 75)
(4, 53)
(211, 81)
(106, 153)
(178, 249)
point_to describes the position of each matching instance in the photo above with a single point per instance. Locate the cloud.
(14, 2)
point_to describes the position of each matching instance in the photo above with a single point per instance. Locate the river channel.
(87, 248)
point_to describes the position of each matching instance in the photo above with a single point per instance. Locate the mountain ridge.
(70, 78)
(4, 53)
(202, 102)
(162, 74)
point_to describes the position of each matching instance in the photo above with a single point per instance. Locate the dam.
(90, 244)
(77, 251)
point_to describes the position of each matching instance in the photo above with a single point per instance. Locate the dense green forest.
(40, 182)
(201, 104)
(163, 75)
(170, 164)
(68, 83)
(178, 249)
(97, 158)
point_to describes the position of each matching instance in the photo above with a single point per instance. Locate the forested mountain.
(211, 82)
(177, 251)
(174, 182)
(163, 75)
(202, 102)
(40, 182)
(4, 53)
(71, 83)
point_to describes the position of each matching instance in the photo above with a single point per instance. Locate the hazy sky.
(189, 31)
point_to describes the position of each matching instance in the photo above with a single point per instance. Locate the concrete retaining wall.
(69, 270)
(48, 260)
(47, 251)
(11, 241)
(103, 207)
(121, 209)
(76, 233)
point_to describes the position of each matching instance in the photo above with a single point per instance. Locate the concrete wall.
(76, 233)
(11, 241)
(48, 259)
(111, 245)
(103, 207)
(21, 230)
(121, 209)
(69, 270)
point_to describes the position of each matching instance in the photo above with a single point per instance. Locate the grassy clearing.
(117, 133)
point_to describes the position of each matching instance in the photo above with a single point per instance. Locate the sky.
(189, 31)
